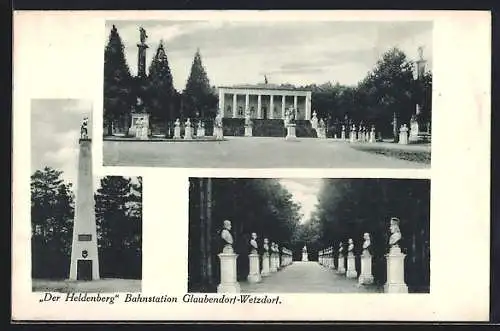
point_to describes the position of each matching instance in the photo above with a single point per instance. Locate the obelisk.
(84, 255)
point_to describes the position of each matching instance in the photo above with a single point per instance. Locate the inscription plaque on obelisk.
(84, 255)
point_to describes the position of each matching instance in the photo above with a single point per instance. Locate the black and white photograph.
(309, 235)
(267, 94)
(86, 230)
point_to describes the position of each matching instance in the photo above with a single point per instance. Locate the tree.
(118, 96)
(118, 204)
(199, 98)
(160, 91)
(52, 211)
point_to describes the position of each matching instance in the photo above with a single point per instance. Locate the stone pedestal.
(366, 276)
(188, 133)
(254, 270)
(342, 135)
(290, 132)
(177, 132)
(352, 136)
(341, 268)
(200, 133)
(305, 258)
(228, 280)
(265, 265)
(372, 137)
(395, 272)
(139, 126)
(331, 263)
(218, 133)
(248, 131)
(273, 265)
(351, 266)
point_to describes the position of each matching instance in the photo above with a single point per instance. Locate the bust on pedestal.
(403, 135)
(272, 263)
(177, 129)
(351, 266)
(305, 257)
(200, 132)
(395, 262)
(341, 260)
(218, 130)
(290, 125)
(372, 134)
(228, 280)
(265, 259)
(366, 276)
(253, 259)
(342, 135)
(352, 134)
(314, 121)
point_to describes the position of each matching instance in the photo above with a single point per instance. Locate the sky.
(300, 53)
(304, 192)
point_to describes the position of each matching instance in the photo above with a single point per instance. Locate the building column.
(283, 106)
(259, 106)
(234, 105)
(295, 106)
(271, 107)
(247, 102)
(221, 102)
(308, 106)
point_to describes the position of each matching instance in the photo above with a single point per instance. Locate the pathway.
(307, 277)
(243, 152)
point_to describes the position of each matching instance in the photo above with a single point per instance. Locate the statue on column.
(84, 128)
(266, 245)
(253, 244)
(143, 35)
(227, 237)
(395, 237)
(350, 248)
(341, 249)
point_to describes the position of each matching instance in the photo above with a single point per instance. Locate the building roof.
(262, 86)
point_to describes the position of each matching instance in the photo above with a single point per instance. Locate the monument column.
(84, 255)
(247, 101)
(271, 106)
(259, 106)
(295, 103)
(234, 105)
(283, 97)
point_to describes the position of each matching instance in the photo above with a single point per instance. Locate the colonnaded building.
(267, 105)
(264, 101)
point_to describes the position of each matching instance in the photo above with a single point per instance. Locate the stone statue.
(200, 125)
(304, 249)
(266, 245)
(253, 243)
(421, 52)
(395, 237)
(367, 243)
(84, 134)
(188, 123)
(248, 121)
(177, 123)
(227, 237)
(218, 120)
(351, 246)
(341, 248)
(143, 35)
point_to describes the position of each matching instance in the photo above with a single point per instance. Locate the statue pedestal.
(342, 135)
(366, 276)
(372, 137)
(403, 138)
(290, 132)
(305, 257)
(351, 266)
(254, 273)
(188, 133)
(265, 265)
(228, 280)
(248, 131)
(177, 132)
(331, 265)
(273, 265)
(341, 268)
(218, 133)
(395, 272)
(141, 131)
(200, 133)
(352, 137)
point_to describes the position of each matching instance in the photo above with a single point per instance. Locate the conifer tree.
(198, 96)
(160, 92)
(118, 98)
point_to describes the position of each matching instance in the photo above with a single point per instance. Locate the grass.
(96, 286)
(420, 156)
